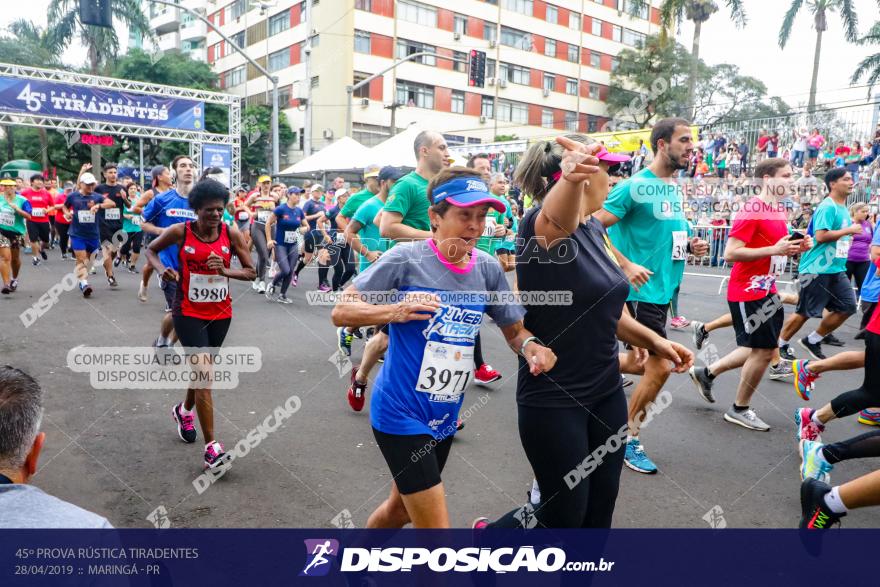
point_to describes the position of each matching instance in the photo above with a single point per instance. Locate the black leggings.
(859, 447)
(343, 265)
(868, 395)
(62, 229)
(285, 254)
(258, 235)
(132, 244)
(478, 352)
(556, 441)
(859, 271)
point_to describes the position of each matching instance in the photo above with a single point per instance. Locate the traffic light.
(96, 12)
(477, 69)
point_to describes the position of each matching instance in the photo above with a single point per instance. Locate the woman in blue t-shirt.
(418, 393)
(287, 219)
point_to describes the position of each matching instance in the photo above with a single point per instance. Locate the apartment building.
(548, 63)
(175, 29)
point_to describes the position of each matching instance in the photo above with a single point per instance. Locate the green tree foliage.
(256, 146)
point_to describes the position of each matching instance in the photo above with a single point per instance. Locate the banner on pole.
(219, 156)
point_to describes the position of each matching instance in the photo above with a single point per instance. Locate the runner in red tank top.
(202, 309)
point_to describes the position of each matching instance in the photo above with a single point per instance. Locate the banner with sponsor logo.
(219, 156)
(333, 556)
(61, 100)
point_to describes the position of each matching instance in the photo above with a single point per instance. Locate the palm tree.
(820, 10)
(36, 48)
(870, 66)
(101, 42)
(673, 12)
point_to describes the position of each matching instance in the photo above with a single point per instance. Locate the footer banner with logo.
(435, 557)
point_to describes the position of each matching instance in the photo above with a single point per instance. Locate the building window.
(279, 22)
(550, 47)
(406, 48)
(514, 74)
(461, 63)
(279, 59)
(574, 21)
(460, 24)
(592, 124)
(316, 80)
(594, 91)
(521, 6)
(571, 121)
(552, 14)
(240, 38)
(633, 38)
(490, 68)
(235, 76)
(413, 94)
(457, 102)
(571, 87)
(417, 13)
(364, 5)
(547, 118)
(237, 8)
(487, 107)
(364, 90)
(489, 31)
(549, 81)
(573, 53)
(284, 97)
(597, 27)
(517, 39)
(595, 59)
(615, 61)
(362, 42)
(616, 33)
(513, 112)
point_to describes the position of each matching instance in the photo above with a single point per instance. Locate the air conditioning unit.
(491, 81)
(482, 120)
(328, 134)
(546, 93)
(502, 83)
(492, 44)
(456, 36)
(365, 102)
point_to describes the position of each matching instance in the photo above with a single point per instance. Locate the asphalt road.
(116, 452)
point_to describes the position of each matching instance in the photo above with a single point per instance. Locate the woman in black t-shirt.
(573, 421)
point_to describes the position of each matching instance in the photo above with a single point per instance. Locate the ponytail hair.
(538, 169)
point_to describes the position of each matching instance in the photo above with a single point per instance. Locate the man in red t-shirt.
(763, 139)
(759, 245)
(38, 227)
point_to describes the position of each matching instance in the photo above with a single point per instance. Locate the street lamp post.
(260, 68)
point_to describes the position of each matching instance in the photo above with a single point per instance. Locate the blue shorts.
(89, 245)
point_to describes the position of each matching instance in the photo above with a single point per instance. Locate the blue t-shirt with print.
(287, 221)
(167, 209)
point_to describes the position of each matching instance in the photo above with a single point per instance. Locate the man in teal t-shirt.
(362, 232)
(646, 224)
(371, 188)
(823, 282)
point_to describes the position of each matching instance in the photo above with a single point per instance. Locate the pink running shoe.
(215, 456)
(324, 287)
(807, 429)
(185, 428)
(679, 323)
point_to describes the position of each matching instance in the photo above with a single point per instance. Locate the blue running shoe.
(343, 341)
(636, 459)
(813, 463)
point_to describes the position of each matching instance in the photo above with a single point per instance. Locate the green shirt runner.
(487, 242)
(409, 198)
(10, 220)
(369, 232)
(652, 232)
(830, 257)
(354, 202)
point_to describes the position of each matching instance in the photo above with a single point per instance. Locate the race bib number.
(38, 212)
(289, 236)
(778, 264)
(136, 220)
(111, 214)
(490, 227)
(207, 288)
(842, 250)
(243, 215)
(263, 215)
(340, 239)
(7, 218)
(679, 245)
(446, 370)
(85, 217)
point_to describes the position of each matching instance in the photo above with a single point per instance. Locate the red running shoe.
(486, 374)
(357, 392)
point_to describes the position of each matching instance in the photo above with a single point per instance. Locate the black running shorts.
(415, 461)
(758, 323)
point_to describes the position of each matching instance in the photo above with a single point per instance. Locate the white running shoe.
(142, 292)
(262, 287)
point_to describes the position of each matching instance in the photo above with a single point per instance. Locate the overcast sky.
(785, 72)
